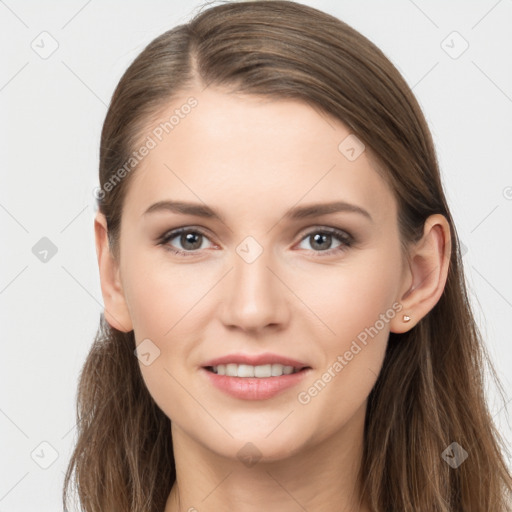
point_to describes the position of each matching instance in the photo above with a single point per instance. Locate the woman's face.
(264, 279)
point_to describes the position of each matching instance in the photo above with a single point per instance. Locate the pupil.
(321, 237)
(188, 238)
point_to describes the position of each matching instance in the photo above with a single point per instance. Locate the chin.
(263, 445)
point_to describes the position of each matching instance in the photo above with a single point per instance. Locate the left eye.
(321, 240)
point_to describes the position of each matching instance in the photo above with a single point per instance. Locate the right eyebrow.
(184, 208)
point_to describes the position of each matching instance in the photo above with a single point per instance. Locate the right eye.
(190, 239)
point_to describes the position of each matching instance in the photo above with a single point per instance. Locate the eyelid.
(326, 229)
(345, 238)
(173, 233)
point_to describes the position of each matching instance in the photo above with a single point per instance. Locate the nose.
(256, 298)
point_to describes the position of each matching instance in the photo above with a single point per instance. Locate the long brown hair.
(430, 391)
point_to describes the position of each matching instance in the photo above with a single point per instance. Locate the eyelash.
(343, 237)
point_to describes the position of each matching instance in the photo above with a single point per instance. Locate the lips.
(254, 377)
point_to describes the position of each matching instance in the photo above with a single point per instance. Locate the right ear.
(116, 309)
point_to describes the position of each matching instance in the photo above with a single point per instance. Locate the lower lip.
(255, 388)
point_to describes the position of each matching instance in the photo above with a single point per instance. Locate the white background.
(52, 111)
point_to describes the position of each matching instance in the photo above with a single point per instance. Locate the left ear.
(425, 279)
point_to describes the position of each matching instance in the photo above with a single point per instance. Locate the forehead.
(238, 150)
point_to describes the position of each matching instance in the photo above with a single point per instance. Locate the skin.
(252, 159)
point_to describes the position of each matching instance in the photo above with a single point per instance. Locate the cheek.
(356, 306)
(165, 304)
(342, 302)
(161, 294)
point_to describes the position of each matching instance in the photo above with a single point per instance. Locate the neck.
(322, 477)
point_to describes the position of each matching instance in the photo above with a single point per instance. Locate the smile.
(247, 370)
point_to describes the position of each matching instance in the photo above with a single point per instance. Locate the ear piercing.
(406, 318)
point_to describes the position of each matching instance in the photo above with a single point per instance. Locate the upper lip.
(255, 360)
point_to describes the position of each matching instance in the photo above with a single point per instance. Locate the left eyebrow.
(314, 210)
(298, 212)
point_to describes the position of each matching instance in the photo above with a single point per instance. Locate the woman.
(286, 321)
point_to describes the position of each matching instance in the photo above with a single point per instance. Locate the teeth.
(264, 370)
(246, 370)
